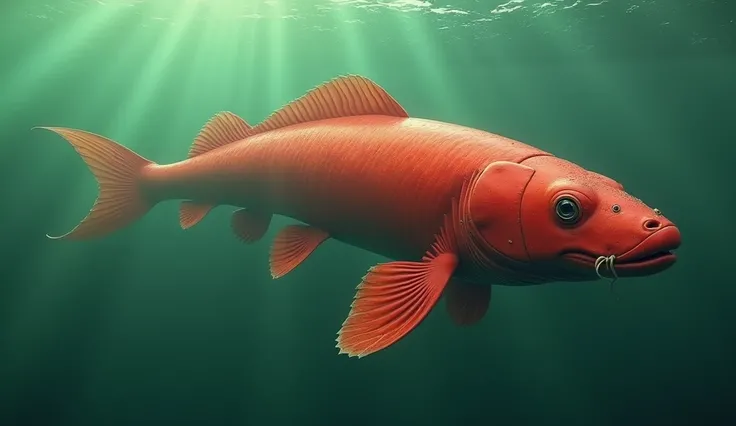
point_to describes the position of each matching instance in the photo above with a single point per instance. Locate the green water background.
(157, 326)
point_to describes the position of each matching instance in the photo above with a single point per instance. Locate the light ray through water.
(42, 301)
(57, 51)
(421, 44)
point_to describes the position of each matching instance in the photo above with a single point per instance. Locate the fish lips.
(654, 254)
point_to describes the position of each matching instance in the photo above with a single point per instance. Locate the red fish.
(459, 209)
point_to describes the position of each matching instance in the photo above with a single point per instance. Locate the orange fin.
(250, 226)
(395, 297)
(343, 96)
(118, 173)
(190, 213)
(220, 130)
(467, 302)
(292, 246)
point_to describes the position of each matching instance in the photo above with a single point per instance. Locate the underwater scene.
(367, 212)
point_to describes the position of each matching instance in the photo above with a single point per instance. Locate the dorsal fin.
(343, 96)
(222, 129)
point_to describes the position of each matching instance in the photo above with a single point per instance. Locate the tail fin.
(117, 170)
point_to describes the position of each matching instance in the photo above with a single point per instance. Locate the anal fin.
(292, 246)
(250, 226)
(467, 302)
(190, 213)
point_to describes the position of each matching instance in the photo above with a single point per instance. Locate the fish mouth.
(653, 255)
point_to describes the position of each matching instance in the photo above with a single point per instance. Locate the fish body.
(380, 183)
(457, 209)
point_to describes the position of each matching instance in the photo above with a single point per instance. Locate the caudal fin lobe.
(117, 170)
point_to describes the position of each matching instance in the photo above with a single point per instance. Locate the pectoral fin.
(394, 298)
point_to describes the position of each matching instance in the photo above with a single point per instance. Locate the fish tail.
(118, 172)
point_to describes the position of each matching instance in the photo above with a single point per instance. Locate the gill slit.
(471, 243)
(521, 204)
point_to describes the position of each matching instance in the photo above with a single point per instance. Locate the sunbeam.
(349, 26)
(54, 52)
(66, 264)
(137, 107)
(150, 323)
(421, 44)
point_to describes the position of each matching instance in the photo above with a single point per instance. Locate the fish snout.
(662, 230)
(656, 222)
(663, 237)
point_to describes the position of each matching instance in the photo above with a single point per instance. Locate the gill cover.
(494, 206)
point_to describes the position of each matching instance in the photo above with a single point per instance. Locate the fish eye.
(568, 210)
(615, 208)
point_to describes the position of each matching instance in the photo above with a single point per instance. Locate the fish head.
(582, 225)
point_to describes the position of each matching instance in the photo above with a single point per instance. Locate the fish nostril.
(652, 224)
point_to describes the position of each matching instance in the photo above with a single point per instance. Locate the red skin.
(385, 183)
(456, 207)
(376, 182)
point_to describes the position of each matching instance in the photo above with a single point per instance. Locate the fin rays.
(117, 170)
(341, 97)
(222, 129)
(377, 321)
(292, 246)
